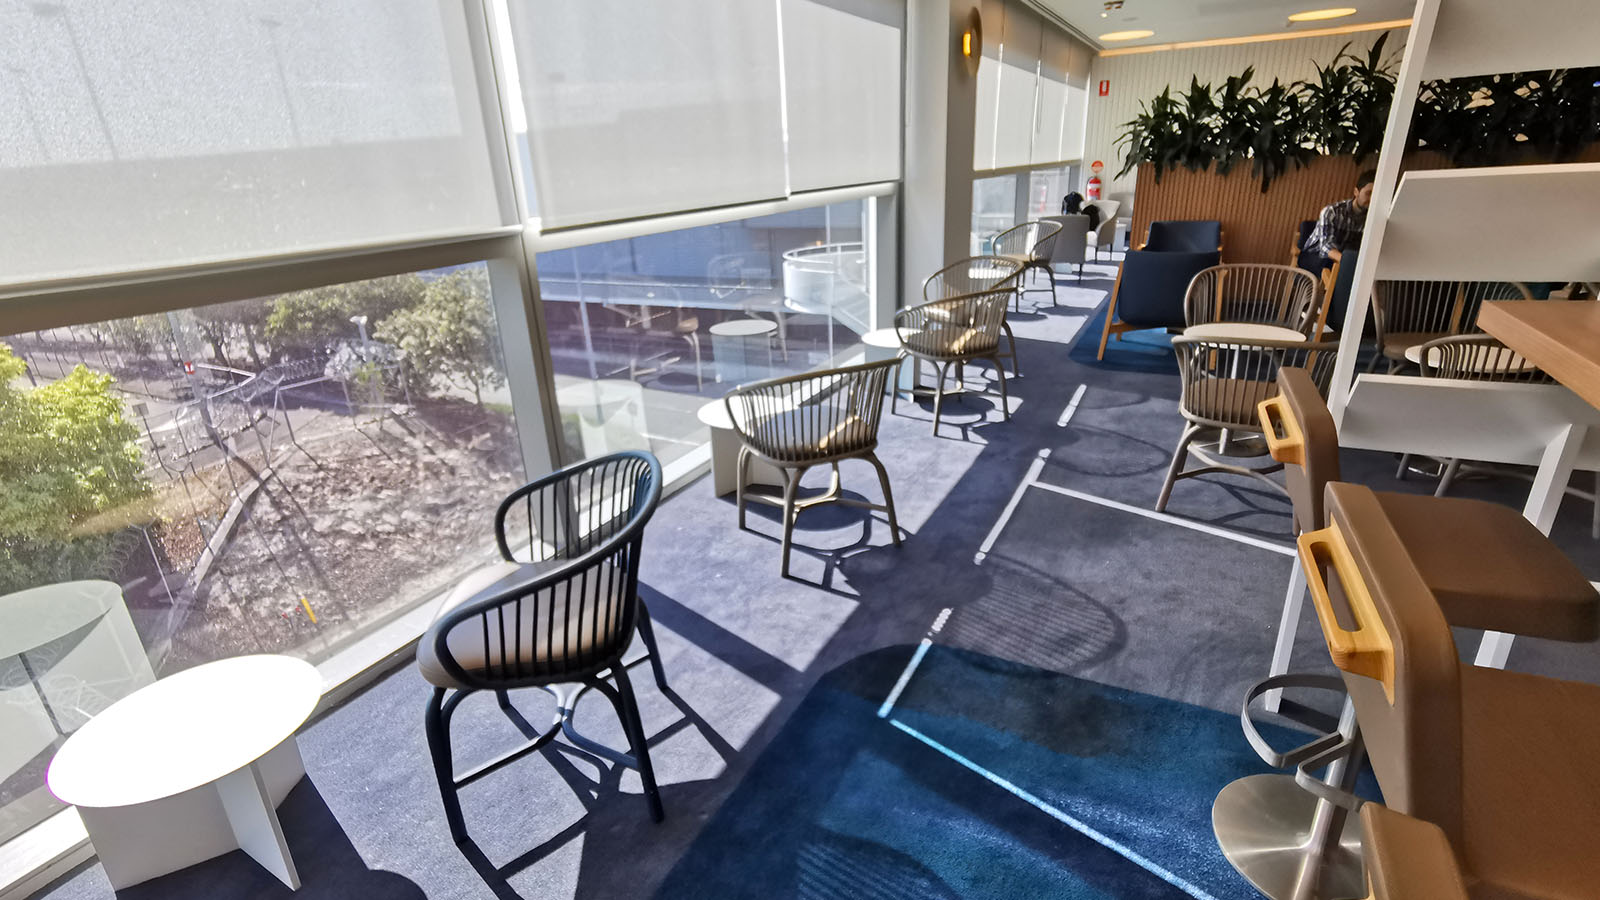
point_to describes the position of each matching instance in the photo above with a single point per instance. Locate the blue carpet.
(1085, 782)
(1139, 351)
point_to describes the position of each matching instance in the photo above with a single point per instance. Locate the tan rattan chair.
(1258, 293)
(1222, 383)
(1032, 244)
(1408, 313)
(963, 323)
(812, 419)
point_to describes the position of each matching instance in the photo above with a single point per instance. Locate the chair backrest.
(1478, 357)
(1436, 307)
(1388, 637)
(1310, 260)
(974, 275)
(572, 611)
(1189, 235)
(1035, 238)
(1151, 286)
(1301, 434)
(1107, 229)
(1222, 382)
(1069, 244)
(813, 416)
(1253, 292)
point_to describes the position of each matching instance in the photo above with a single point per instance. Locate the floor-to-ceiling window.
(645, 330)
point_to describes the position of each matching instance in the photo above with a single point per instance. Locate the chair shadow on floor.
(328, 863)
(766, 522)
(602, 797)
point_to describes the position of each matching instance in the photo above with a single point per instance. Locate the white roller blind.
(988, 92)
(639, 108)
(1049, 132)
(138, 135)
(1017, 95)
(1060, 104)
(841, 62)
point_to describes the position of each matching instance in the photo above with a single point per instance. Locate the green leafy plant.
(447, 336)
(1344, 111)
(73, 475)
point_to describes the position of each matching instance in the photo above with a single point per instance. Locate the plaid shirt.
(1338, 228)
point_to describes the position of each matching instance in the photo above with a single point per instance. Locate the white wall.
(1138, 77)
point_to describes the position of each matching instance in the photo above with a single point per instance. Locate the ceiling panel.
(1188, 20)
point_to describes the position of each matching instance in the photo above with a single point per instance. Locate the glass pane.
(1046, 188)
(277, 475)
(994, 209)
(645, 331)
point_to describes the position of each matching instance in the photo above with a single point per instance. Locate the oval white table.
(1242, 331)
(191, 767)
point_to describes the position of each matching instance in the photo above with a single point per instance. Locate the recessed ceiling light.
(1317, 15)
(1127, 35)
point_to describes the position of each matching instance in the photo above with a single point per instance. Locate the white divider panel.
(1485, 421)
(1434, 231)
(1488, 37)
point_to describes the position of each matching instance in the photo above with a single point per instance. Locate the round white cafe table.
(725, 447)
(191, 767)
(1242, 331)
(1487, 360)
(739, 346)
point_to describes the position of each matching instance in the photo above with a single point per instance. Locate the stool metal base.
(1264, 824)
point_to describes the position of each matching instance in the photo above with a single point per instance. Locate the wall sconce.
(971, 46)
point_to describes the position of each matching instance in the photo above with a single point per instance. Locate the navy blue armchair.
(1185, 236)
(1303, 257)
(1150, 290)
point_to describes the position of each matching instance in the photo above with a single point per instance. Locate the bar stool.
(1486, 566)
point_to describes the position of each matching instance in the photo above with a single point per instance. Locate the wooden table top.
(1561, 337)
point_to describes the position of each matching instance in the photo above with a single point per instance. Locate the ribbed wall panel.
(1137, 77)
(1256, 227)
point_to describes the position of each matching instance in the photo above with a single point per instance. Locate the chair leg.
(1594, 522)
(791, 486)
(1011, 340)
(888, 497)
(1005, 403)
(1051, 272)
(699, 379)
(1447, 477)
(1179, 457)
(628, 710)
(739, 482)
(1405, 464)
(436, 723)
(647, 633)
(938, 395)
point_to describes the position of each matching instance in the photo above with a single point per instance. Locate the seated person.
(1072, 205)
(1340, 225)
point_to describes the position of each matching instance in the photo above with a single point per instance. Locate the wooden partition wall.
(1256, 227)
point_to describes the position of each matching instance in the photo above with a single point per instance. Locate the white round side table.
(191, 767)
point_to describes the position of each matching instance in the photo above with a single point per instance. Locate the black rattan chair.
(557, 613)
(812, 419)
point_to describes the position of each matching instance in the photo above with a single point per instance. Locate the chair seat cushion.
(1531, 790)
(1396, 342)
(951, 342)
(1490, 568)
(539, 642)
(812, 432)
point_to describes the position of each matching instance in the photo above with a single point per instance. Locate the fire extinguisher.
(1094, 187)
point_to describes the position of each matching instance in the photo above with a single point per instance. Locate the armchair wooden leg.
(1011, 341)
(1111, 316)
(938, 395)
(1005, 403)
(888, 497)
(647, 633)
(740, 478)
(436, 723)
(1050, 273)
(1179, 457)
(791, 486)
